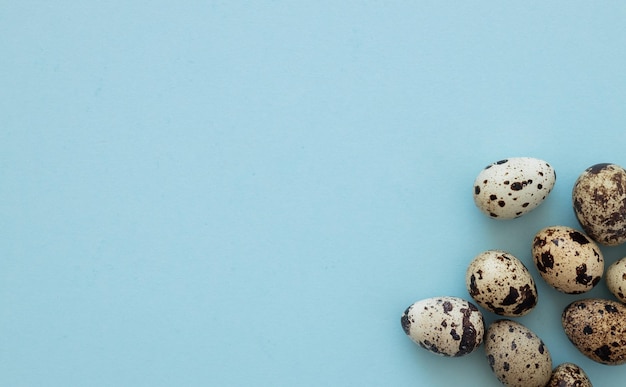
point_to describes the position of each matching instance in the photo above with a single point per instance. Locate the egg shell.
(501, 283)
(569, 375)
(597, 327)
(599, 201)
(512, 187)
(516, 355)
(447, 326)
(567, 259)
(616, 279)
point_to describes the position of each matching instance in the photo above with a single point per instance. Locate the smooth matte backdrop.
(250, 193)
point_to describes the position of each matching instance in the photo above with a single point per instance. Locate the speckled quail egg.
(447, 326)
(512, 187)
(500, 283)
(616, 279)
(599, 200)
(569, 375)
(597, 328)
(567, 259)
(516, 355)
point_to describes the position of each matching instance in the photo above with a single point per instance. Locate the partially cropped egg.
(569, 375)
(516, 355)
(599, 200)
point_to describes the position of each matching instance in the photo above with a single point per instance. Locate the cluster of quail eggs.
(567, 259)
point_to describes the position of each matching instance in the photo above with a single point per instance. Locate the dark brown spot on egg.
(604, 353)
(595, 169)
(581, 275)
(492, 197)
(596, 280)
(405, 321)
(473, 288)
(545, 262)
(476, 190)
(447, 307)
(587, 330)
(578, 238)
(469, 336)
(517, 186)
(455, 336)
(529, 300)
(539, 242)
(501, 203)
(512, 297)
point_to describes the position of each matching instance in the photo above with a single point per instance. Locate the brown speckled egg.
(516, 355)
(512, 187)
(599, 200)
(500, 283)
(616, 279)
(567, 259)
(447, 326)
(569, 375)
(597, 328)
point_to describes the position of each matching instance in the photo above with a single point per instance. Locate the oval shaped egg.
(512, 187)
(616, 279)
(599, 200)
(500, 283)
(567, 259)
(447, 326)
(516, 355)
(597, 328)
(569, 375)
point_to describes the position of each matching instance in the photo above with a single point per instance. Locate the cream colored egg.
(500, 283)
(512, 187)
(567, 259)
(516, 355)
(447, 326)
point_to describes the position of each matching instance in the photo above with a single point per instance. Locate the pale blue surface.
(251, 193)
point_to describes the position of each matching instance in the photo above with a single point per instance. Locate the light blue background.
(230, 193)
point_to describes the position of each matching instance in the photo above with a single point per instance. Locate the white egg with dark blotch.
(447, 326)
(569, 375)
(516, 355)
(616, 279)
(512, 187)
(599, 200)
(567, 259)
(501, 283)
(597, 328)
